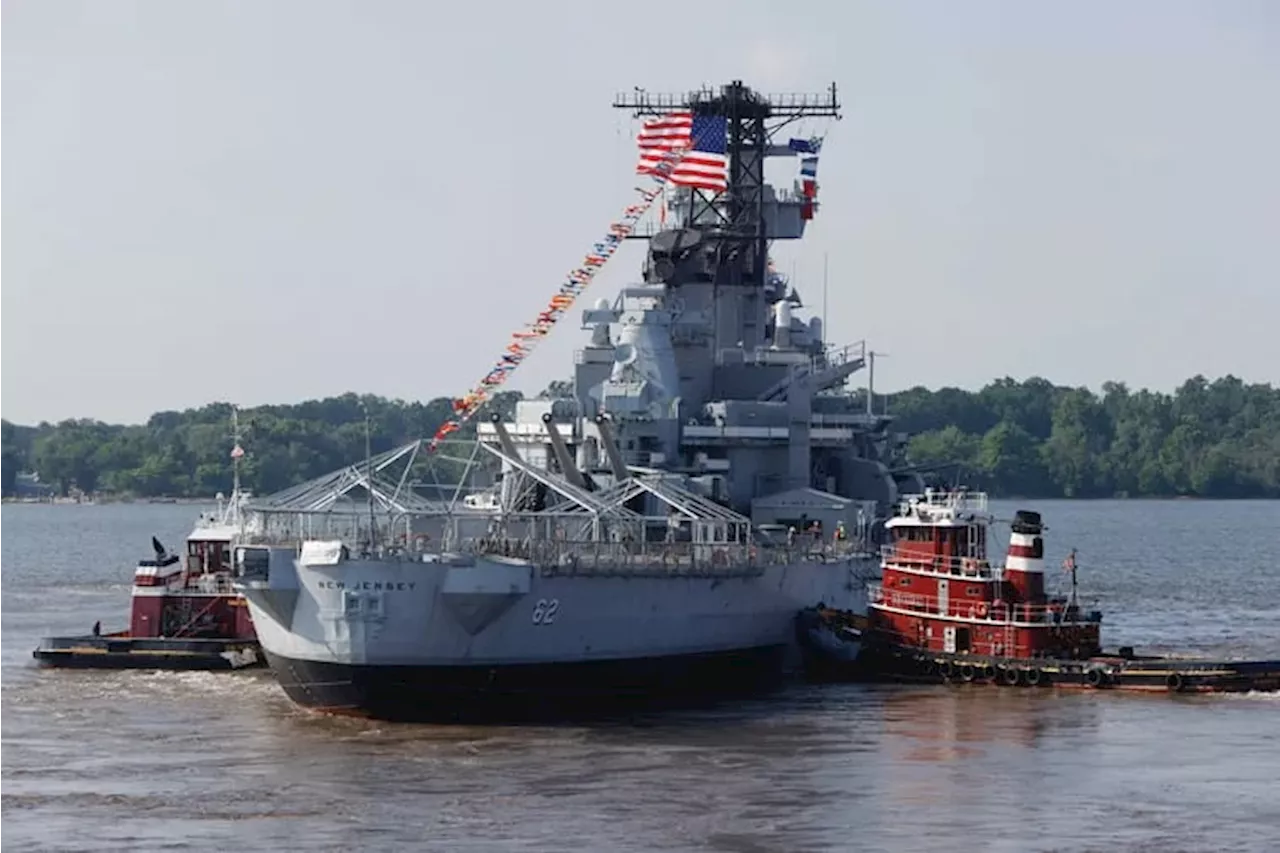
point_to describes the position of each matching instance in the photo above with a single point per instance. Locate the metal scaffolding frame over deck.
(607, 511)
(378, 491)
(710, 521)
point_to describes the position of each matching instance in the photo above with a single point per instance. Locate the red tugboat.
(942, 612)
(185, 615)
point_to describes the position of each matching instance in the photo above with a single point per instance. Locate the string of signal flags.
(659, 168)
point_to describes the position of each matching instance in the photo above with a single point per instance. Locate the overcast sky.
(273, 201)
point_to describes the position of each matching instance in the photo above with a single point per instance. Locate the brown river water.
(197, 761)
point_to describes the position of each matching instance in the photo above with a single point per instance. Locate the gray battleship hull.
(502, 639)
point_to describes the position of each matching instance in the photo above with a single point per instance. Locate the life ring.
(982, 610)
(1095, 677)
(1034, 676)
(966, 672)
(1009, 676)
(969, 565)
(1175, 682)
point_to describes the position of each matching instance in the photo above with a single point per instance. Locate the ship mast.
(737, 218)
(752, 120)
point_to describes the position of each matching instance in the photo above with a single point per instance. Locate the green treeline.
(1029, 439)
(188, 454)
(1033, 439)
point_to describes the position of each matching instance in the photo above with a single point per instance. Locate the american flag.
(705, 166)
(1069, 564)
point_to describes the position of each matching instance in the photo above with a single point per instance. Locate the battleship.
(647, 537)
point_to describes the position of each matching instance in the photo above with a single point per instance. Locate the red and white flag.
(704, 139)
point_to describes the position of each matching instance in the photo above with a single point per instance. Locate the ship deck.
(120, 651)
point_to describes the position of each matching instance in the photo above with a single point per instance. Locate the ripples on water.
(139, 761)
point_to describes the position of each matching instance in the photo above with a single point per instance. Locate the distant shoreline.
(1208, 439)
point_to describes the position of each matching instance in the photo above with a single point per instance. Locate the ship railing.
(783, 195)
(209, 584)
(627, 558)
(1057, 612)
(837, 356)
(568, 555)
(659, 558)
(959, 567)
(956, 501)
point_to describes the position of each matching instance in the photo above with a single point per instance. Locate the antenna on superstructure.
(825, 328)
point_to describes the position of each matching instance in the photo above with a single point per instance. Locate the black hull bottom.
(148, 653)
(529, 692)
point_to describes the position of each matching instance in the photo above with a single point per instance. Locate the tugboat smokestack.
(1024, 564)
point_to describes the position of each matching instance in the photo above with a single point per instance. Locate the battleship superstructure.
(651, 535)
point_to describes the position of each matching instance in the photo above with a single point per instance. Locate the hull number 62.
(544, 612)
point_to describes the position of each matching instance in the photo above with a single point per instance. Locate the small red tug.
(942, 612)
(185, 614)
